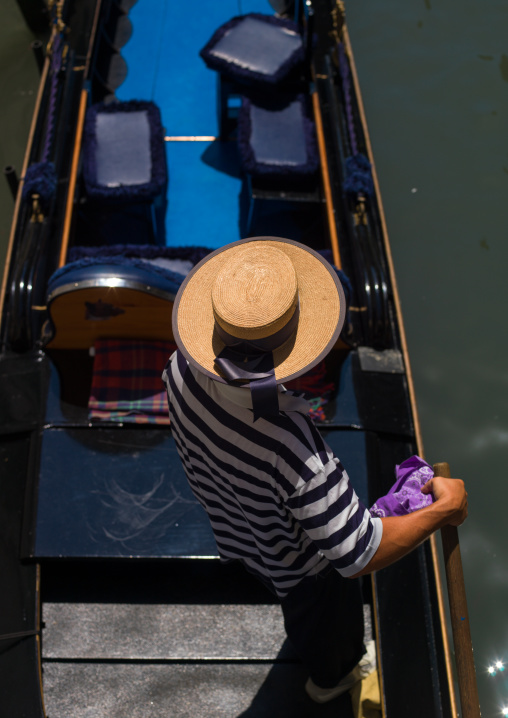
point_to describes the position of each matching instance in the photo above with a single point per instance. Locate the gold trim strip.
(378, 643)
(38, 636)
(72, 179)
(190, 138)
(325, 174)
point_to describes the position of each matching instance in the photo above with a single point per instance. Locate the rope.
(40, 177)
(346, 86)
(358, 180)
(56, 64)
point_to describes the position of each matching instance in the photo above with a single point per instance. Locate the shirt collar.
(241, 395)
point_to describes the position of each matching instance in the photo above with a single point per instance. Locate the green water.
(434, 78)
(19, 80)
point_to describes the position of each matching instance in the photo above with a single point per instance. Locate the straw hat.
(251, 290)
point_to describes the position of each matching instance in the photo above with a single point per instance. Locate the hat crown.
(255, 292)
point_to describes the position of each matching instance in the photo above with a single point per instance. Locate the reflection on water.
(433, 77)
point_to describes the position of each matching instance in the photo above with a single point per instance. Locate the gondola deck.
(103, 532)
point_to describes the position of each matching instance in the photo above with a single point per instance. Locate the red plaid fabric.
(315, 388)
(127, 384)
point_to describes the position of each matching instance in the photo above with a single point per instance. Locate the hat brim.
(322, 311)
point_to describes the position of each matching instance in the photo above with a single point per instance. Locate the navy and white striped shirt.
(277, 497)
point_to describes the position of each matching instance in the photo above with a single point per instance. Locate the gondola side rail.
(466, 674)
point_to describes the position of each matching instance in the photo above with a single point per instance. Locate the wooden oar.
(468, 689)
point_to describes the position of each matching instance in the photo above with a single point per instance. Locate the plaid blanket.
(127, 384)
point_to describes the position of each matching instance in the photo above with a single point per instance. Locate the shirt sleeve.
(331, 514)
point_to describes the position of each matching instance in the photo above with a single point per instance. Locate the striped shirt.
(277, 497)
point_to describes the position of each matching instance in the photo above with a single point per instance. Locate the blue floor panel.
(164, 66)
(203, 200)
(142, 52)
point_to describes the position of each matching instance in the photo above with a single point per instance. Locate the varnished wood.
(143, 316)
(466, 674)
(325, 174)
(72, 179)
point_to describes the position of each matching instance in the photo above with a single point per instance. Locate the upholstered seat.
(278, 151)
(277, 139)
(254, 48)
(116, 292)
(124, 160)
(255, 51)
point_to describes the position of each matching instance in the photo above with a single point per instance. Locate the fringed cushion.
(140, 251)
(163, 268)
(123, 152)
(127, 384)
(255, 48)
(126, 269)
(277, 139)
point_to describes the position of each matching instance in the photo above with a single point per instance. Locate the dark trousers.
(323, 617)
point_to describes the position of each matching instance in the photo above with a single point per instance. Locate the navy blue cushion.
(277, 139)
(161, 268)
(130, 273)
(123, 152)
(147, 252)
(255, 48)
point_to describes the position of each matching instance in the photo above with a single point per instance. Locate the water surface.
(434, 79)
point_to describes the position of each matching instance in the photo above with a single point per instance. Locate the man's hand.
(451, 493)
(402, 534)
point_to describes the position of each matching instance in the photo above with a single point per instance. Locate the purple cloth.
(405, 496)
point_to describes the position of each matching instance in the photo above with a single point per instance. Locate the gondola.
(140, 161)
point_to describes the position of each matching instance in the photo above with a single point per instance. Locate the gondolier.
(249, 317)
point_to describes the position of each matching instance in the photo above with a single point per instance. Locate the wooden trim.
(325, 174)
(412, 395)
(38, 635)
(72, 179)
(378, 647)
(93, 35)
(190, 138)
(442, 619)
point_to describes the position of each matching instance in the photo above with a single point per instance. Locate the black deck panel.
(57, 410)
(117, 493)
(176, 581)
(409, 630)
(383, 400)
(123, 493)
(342, 409)
(351, 448)
(19, 668)
(229, 690)
(23, 384)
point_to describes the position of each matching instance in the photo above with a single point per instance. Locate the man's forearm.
(402, 534)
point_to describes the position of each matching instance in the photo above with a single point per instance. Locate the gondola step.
(90, 631)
